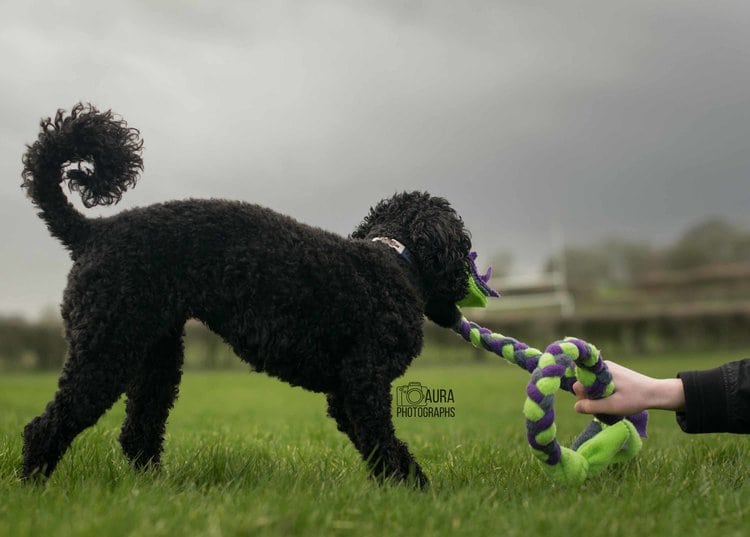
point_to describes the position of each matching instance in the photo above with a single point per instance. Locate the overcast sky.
(603, 118)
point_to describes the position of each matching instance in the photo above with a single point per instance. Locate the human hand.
(634, 392)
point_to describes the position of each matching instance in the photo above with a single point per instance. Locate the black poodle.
(342, 316)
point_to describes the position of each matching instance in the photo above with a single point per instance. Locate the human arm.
(717, 400)
(634, 392)
(714, 400)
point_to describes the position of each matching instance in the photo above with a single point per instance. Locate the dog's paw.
(417, 479)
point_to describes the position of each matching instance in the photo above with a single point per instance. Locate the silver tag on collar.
(393, 243)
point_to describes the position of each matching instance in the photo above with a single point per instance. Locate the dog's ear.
(438, 241)
(441, 246)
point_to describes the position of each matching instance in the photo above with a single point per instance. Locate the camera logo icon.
(412, 394)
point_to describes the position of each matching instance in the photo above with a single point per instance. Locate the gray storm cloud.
(628, 118)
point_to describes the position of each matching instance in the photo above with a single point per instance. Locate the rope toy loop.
(606, 440)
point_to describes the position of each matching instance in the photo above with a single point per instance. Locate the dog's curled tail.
(95, 152)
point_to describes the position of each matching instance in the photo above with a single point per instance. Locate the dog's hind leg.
(362, 409)
(150, 396)
(89, 385)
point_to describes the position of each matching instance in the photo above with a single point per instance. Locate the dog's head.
(438, 242)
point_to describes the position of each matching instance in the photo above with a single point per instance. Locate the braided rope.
(559, 366)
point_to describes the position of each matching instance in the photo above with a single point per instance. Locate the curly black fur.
(430, 228)
(85, 136)
(342, 316)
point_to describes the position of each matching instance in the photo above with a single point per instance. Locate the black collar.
(396, 245)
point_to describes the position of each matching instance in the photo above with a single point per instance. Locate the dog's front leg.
(362, 409)
(337, 411)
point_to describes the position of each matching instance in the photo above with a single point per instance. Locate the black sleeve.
(717, 400)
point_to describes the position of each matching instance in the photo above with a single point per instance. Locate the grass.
(246, 454)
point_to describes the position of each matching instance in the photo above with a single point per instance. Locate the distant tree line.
(40, 345)
(619, 261)
(28, 345)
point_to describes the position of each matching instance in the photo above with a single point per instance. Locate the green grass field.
(248, 455)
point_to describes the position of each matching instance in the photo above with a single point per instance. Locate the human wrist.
(668, 394)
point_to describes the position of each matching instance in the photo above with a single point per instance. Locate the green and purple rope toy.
(606, 440)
